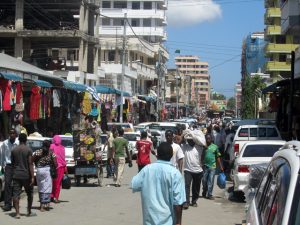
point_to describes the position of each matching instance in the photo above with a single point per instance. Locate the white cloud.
(188, 12)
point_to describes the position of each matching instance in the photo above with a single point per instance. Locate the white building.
(145, 33)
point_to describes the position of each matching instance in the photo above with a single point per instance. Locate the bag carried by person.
(53, 171)
(221, 181)
(66, 182)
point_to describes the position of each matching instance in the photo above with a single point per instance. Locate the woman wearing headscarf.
(43, 159)
(59, 150)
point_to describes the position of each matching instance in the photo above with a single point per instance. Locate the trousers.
(8, 173)
(195, 180)
(120, 164)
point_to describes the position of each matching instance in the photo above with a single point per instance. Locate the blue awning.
(74, 86)
(11, 76)
(43, 83)
(147, 98)
(125, 94)
(104, 90)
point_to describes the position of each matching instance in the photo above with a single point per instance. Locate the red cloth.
(5, 86)
(19, 94)
(144, 149)
(56, 183)
(35, 99)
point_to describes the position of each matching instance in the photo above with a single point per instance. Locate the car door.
(269, 202)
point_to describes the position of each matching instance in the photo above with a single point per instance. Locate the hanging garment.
(5, 86)
(1, 102)
(35, 99)
(86, 103)
(56, 98)
(19, 107)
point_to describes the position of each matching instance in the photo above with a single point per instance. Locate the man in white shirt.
(193, 171)
(5, 159)
(177, 159)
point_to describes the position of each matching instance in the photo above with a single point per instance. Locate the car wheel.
(1, 192)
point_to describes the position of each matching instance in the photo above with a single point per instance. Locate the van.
(246, 133)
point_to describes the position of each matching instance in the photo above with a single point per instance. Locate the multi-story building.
(238, 98)
(192, 67)
(290, 10)
(279, 47)
(144, 35)
(51, 35)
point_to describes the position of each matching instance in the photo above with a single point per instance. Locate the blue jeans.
(208, 181)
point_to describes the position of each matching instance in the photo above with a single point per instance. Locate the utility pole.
(177, 93)
(123, 67)
(159, 69)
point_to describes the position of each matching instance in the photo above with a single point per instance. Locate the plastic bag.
(197, 135)
(66, 182)
(221, 181)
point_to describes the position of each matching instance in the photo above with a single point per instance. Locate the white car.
(254, 152)
(132, 138)
(127, 127)
(1, 180)
(103, 147)
(277, 200)
(67, 142)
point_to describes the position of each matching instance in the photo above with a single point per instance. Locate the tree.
(216, 96)
(250, 85)
(231, 103)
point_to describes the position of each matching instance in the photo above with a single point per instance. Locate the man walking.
(120, 146)
(177, 158)
(5, 157)
(193, 171)
(144, 147)
(162, 190)
(22, 163)
(211, 157)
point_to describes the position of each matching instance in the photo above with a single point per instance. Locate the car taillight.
(236, 148)
(243, 169)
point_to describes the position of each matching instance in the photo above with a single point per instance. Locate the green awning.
(11, 76)
(74, 86)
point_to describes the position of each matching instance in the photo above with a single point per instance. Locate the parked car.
(128, 127)
(254, 152)
(277, 200)
(67, 142)
(132, 138)
(103, 147)
(246, 133)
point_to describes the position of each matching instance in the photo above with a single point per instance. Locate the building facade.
(58, 39)
(279, 47)
(238, 98)
(143, 34)
(191, 66)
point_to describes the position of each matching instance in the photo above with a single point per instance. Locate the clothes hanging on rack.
(35, 100)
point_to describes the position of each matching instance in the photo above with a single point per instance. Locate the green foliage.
(249, 96)
(231, 103)
(216, 96)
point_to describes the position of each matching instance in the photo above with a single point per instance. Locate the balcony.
(143, 14)
(280, 48)
(271, 14)
(140, 31)
(277, 66)
(291, 12)
(273, 30)
(145, 71)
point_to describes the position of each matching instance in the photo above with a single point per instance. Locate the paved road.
(108, 205)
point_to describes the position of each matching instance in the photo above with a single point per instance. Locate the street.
(109, 205)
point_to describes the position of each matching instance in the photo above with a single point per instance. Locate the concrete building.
(238, 98)
(290, 10)
(145, 54)
(51, 35)
(192, 67)
(279, 47)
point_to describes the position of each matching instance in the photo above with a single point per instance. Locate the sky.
(214, 30)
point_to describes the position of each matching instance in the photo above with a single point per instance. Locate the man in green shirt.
(210, 159)
(120, 148)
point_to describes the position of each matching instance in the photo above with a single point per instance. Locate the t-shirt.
(43, 160)
(119, 144)
(20, 161)
(192, 158)
(177, 154)
(144, 148)
(210, 155)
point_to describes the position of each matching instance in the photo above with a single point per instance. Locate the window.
(105, 21)
(147, 22)
(272, 132)
(260, 150)
(262, 132)
(135, 22)
(243, 132)
(253, 132)
(105, 4)
(111, 55)
(136, 5)
(147, 5)
(118, 22)
(120, 5)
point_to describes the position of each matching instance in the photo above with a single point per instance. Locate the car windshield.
(35, 144)
(260, 150)
(164, 128)
(131, 137)
(67, 143)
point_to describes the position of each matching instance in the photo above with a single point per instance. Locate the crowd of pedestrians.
(17, 162)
